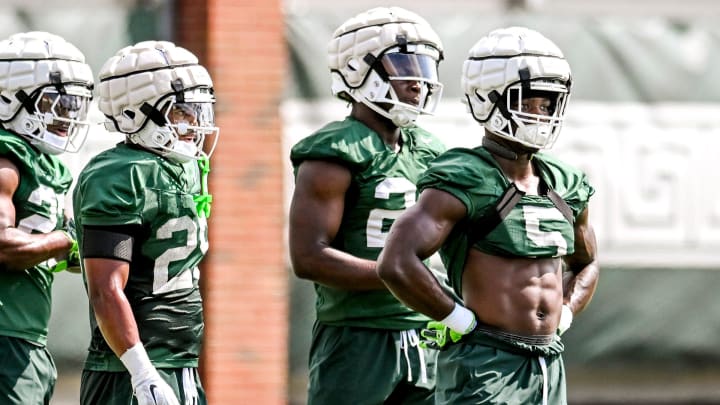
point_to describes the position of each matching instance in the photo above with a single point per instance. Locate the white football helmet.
(378, 46)
(160, 96)
(507, 66)
(45, 90)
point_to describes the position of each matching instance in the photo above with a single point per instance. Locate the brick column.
(244, 278)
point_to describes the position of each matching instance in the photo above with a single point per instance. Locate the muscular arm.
(580, 282)
(316, 212)
(106, 280)
(20, 250)
(416, 235)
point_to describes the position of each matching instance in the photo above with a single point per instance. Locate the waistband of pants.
(534, 340)
(487, 335)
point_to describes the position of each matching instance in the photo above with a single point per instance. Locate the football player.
(507, 219)
(352, 179)
(45, 89)
(141, 210)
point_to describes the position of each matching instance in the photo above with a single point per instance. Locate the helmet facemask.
(182, 128)
(418, 63)
(54, 118)
(511, 121)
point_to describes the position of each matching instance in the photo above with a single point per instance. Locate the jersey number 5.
(533, 216)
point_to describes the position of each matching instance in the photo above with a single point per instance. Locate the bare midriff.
(518, 295)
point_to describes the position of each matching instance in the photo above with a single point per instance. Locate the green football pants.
(114, 388)
(483, 369)
(363, 366)
(27, 373)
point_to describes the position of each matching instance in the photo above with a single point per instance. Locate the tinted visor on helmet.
(60, 111)
(417, 67)
(192, 114)
(194, 122)
(58, 120)
(408, 66)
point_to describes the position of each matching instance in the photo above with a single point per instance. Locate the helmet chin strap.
(400, 116)
(182, 152)
(51, 144)
(25, 126)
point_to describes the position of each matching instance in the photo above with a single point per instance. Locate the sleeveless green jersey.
(383, 186)
(130, 186)
(533, 228)
(25, 296)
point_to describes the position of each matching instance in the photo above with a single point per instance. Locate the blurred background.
(643, 122)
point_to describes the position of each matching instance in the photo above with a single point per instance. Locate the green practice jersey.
(25, 296)
(533, 228)
(127, 186)
(383, 186)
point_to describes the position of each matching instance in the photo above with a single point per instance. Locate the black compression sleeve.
(107, 243)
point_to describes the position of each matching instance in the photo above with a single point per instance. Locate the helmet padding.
(140, 82)
(36, 63)
(355, 56)
(512, 63)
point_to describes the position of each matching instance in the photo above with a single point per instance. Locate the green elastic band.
(73, 253)
(203, 201)
(59, 266)
(74, 246)
(202, 204)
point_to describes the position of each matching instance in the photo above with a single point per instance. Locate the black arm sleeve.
(110, 242)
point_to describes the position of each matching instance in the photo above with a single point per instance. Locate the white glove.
(566, 318)
(148, 386)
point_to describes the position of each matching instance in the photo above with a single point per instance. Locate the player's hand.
(148, 386)
(153, 390)
(436, 336)
(71, 262)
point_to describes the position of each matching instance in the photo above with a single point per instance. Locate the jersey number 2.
(375, 232)
(162, 282)
(55, 203)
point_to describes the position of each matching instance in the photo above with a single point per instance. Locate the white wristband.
(461, 320)
(136, 361)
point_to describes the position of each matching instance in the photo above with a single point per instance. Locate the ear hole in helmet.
(5, 99)
(353, 65)
(129, 113)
